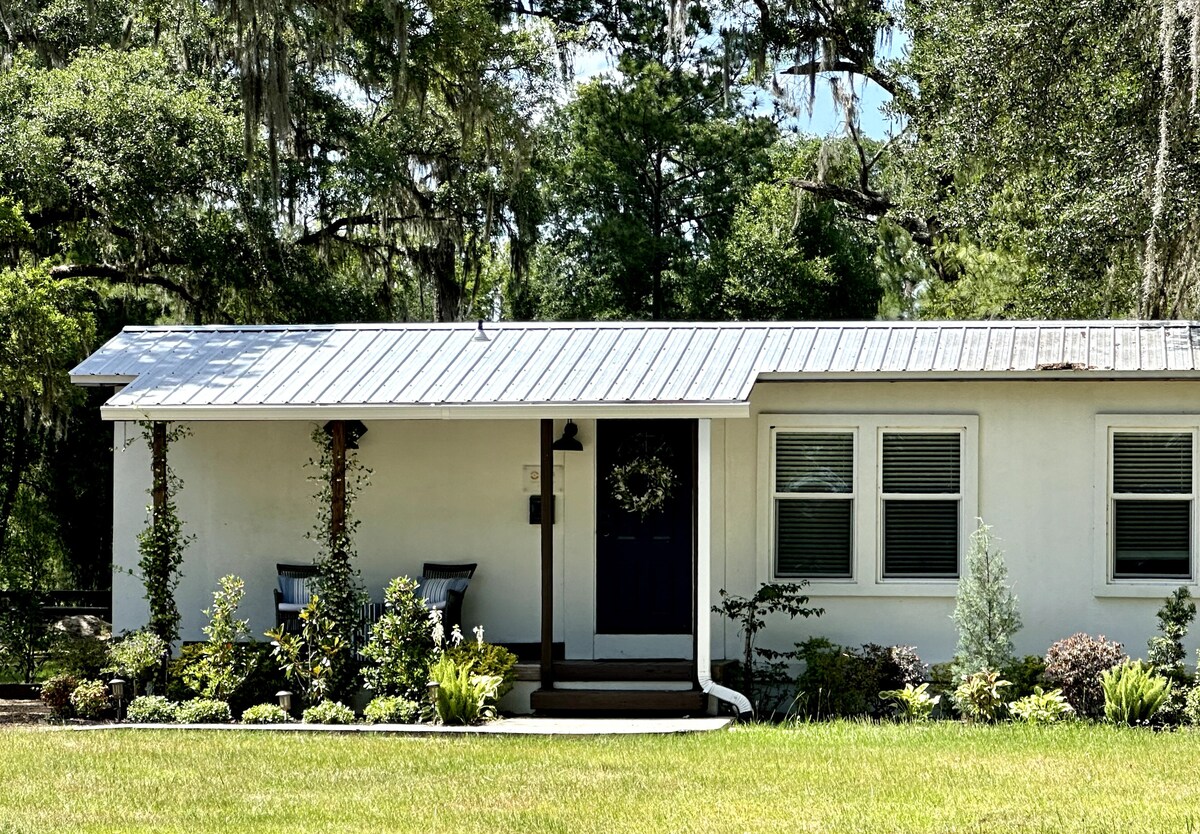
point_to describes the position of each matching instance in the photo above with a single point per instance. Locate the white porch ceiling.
(587, 369)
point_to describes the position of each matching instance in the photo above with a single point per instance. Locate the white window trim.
(867, 544)
(1104, 584)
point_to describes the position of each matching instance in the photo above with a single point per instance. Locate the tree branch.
(871, 203)
(116, 275)
(812, 68)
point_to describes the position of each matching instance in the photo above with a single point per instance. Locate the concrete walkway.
(520, 726)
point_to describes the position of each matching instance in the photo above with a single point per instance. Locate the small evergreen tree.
(985, 611)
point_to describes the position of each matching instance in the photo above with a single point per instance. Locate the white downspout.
(703, 575)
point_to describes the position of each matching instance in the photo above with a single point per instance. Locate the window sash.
(1151, 490)
(813, 502)
(920, 507)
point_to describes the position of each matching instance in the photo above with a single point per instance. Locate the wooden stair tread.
(618, 700)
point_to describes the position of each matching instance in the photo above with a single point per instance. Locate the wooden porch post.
(337, 489)
(547, 483)
(158, 469)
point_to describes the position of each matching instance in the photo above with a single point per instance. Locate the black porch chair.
(444, 586)
(292, 595)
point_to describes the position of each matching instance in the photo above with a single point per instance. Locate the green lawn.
(824, 777)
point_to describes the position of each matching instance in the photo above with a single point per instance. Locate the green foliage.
(655, 158)
(162, 542)
(1024, 675)
(1166, 648)
(1133, 693)
(203, 711)
(840, 681)
(90, 699)
(136, 656)
(400, 648)
(1040, 707)
(985, 609)
(265, 714)
(338, 581)
(1191, 708)
(308, 658)
(328, 712)
(263, 676)
(750, 614)
(391, 709)
(1075, 665)
(789, 256)
(979, 697)
(56, 694)
(463, 697)
(486, 659)
(221, 668)
(913, 703)
(152, 709)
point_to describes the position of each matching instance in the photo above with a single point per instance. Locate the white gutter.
(408, 411)
(703, 576)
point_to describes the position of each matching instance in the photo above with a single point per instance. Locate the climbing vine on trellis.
(161, 544)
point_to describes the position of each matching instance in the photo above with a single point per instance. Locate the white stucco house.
(855, 455)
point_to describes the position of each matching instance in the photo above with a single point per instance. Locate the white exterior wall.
(439, 492)
(1041, 484)
(455, 491)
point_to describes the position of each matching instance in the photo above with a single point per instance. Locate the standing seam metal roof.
(598, 363)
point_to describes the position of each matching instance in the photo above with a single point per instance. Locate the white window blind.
(921, 492)
(1151, 505)
(814, 503)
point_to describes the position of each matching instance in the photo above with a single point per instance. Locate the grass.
(837, 777)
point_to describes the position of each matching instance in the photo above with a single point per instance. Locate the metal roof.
(573, 369)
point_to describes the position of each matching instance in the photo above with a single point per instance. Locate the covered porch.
(455, 477)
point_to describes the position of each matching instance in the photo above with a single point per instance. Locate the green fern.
(1133, 692)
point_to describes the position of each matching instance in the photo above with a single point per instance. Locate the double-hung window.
(1151, 497)
(867, 503)
(814, 503)
(921, 501)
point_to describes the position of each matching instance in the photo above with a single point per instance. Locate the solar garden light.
(432, 688)
(285, 700)
(118, 690)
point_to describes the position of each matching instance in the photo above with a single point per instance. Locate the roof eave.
(506, 411)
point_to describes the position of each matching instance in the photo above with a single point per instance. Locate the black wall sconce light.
(354, 432)
(568, 442)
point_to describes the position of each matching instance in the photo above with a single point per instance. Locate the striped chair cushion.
(436, 590)
(294, 590)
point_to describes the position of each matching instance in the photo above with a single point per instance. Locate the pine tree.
(985, 611)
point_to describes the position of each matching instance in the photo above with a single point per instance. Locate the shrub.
(1133, 692)
(90, 699)
(220, 668)
(462, 697)
(56, 694)
(136, 655)
(401, 646)
(1040, 707)
(978, 697)
(263, 676)
(1025, 675)
(750, 614)
(1166, 651)
(328, 712)
(985, 610)
(487, 659)
(265, 714)
(838, 681)
(1191, 708)
(913, 703)
(1074, 664)
(203, 711)
(391, 709)
(82, 656)
(152, 709)
(309, 659)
